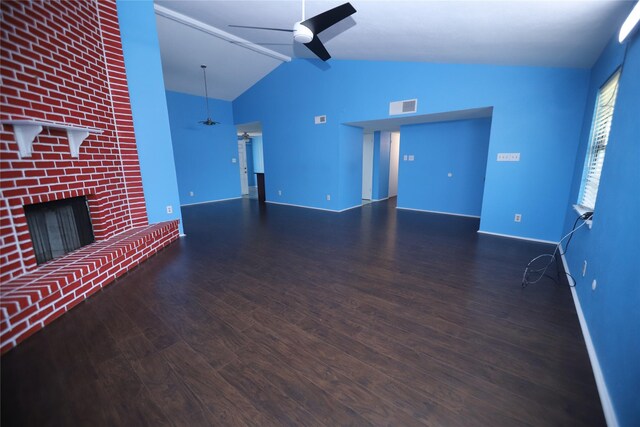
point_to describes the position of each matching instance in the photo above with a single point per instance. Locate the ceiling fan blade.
(262, 28)
(321, 22)
(316, 46)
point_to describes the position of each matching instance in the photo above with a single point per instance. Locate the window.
(598, 142)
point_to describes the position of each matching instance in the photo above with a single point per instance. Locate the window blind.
(598, 142)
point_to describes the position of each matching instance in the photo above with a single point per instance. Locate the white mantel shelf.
(25, 131)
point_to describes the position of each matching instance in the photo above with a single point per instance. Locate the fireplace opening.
(58, 227)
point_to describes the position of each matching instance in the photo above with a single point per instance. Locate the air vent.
(403, 107)
(320, 120)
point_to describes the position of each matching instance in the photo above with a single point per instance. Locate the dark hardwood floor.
(288, 316)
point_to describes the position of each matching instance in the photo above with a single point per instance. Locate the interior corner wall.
(537, 111)
(350, 167)
(611, 247)
(203, 154)
(381, 158)
(458, 148)
(149, 107)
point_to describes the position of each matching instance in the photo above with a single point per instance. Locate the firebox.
(58, 227)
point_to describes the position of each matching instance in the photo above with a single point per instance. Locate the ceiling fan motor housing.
(302, 34)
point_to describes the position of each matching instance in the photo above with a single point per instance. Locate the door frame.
(242, 165)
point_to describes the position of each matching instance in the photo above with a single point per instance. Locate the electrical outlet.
(517, 218)
(584, 268)
(279, 192)
(169, 209)
(191, 193)
(450, 174)
(328, 196)
(594, 284)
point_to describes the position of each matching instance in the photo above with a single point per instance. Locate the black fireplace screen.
(58, 227)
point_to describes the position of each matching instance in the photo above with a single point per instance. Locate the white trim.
(313, 207)
(603, 391)
(216, 32)
(378, 200)
(352, 207)
(510, 236)
(211, 201)
(183, 235)
(302, 206)
(438, 212)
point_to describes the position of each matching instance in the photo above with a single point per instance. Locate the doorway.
(242, 163)
(380, 156)
(251, 159)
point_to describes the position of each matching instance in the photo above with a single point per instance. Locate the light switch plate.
(508, 157)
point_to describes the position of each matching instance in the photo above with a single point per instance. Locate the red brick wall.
(62, 62)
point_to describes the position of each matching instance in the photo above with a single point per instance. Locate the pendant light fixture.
(209, 121)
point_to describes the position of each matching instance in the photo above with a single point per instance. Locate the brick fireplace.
(62, 70)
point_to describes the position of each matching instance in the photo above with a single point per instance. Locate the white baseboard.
(348, 209)
(379, 200)
(437, 212)
(510, 236)
(603, 391)
(211, 201)
(305, 207)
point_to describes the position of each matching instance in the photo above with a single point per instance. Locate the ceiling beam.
(216, 32)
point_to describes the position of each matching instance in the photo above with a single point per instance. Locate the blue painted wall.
(381, 158)
(612, 246)
(459, 148)
(149, 108)
(537, 112)
(257, 154)
(203, 154)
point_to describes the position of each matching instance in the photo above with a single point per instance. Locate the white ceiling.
(518, 32)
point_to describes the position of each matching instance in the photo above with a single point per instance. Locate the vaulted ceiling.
(535, 33)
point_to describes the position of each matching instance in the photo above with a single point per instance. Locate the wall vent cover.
(403, 107)
(320, 120)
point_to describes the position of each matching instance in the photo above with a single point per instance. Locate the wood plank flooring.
(285, 316)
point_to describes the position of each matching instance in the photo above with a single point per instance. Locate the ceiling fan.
(209, 121)
(245, 136)
(306, 31)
